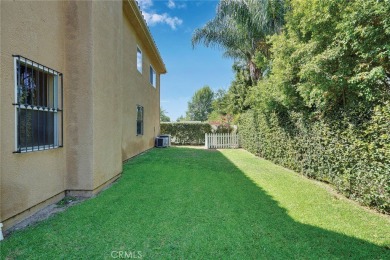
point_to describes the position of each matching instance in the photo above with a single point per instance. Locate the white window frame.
(140, 61)
(22, 106)
(153, 77)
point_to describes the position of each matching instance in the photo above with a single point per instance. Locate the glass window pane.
(152, 77)
(139, 127)
(27, 85)
(36, 86)
(139, 60)
(140, 118)
(36, 128)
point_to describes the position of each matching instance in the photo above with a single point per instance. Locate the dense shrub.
(354, 157)
(186, 132)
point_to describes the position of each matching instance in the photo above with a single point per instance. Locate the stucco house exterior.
(79, 94)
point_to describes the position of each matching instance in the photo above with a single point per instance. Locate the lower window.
(38, 106)
(140, 120)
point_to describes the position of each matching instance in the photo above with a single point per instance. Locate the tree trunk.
(254, 72)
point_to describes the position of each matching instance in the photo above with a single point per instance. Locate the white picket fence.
(217, 141)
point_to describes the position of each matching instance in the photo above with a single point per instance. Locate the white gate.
(216, 141)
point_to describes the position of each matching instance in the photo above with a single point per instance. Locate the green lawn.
(194, 203)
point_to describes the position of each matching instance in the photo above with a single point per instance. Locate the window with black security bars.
(38, 106)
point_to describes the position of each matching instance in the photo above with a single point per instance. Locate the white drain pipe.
(1, 232)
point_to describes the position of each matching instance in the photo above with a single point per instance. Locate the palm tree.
(241, 27)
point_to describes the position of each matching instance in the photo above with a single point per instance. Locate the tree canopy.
(331, 55)
(241, 28)
(200, 105)
(303, 55)
(163, 115)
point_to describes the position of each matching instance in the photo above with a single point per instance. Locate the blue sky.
(172, 23)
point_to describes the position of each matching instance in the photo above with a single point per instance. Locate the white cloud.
(171, 4)
(153, 18)
(144, 4)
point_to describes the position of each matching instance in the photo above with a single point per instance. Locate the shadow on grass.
(184, 203)
(242, 220)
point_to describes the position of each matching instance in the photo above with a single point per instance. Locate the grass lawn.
(194, 203)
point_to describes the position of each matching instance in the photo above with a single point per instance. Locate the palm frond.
(241, 26)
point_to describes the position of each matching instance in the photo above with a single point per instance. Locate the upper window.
(152, 76)
(140, 120)
(139, 60)
(38, 106)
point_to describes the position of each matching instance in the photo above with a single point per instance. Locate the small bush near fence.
(186, 132)
(352, 157)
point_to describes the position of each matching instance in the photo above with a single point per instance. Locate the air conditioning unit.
(161, 142)
(168, 137)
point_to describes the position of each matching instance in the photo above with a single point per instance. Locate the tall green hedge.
(186, 132)
(354, 158)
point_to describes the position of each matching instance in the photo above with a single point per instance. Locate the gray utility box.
(167, 137)
(163, 141)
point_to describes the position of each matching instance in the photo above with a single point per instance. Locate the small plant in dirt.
(66, 201)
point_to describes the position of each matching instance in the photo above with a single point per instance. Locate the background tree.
(239, 89)
(163, 116)
(200, 105)
(241, 29)
(331, 56)
(181, 118)
(221, 102)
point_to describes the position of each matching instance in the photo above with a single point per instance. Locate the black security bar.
(39, 106)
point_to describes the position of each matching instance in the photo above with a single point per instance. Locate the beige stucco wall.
(93, 43)
(78, 95)
(28, 178)
(137, 90)
(107, 90)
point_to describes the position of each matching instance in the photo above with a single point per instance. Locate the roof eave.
(141, 27)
